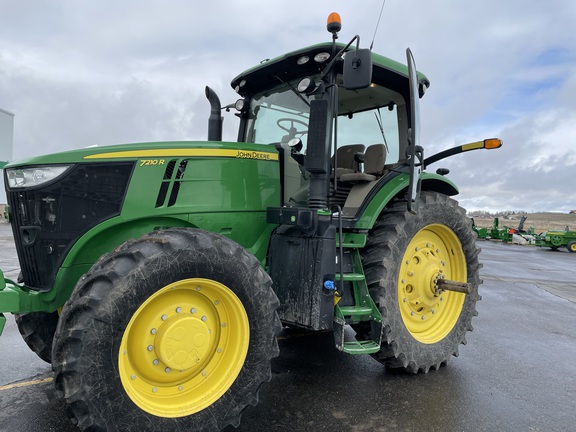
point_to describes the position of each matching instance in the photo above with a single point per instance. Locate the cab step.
(361, 347)
(352, 240)
(363, 310)
(356, 311)
(350, 277)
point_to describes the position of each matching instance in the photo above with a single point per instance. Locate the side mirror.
(357, 69)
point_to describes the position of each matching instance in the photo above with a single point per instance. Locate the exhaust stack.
(215, 120)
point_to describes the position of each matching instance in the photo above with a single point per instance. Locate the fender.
(103, 238)
(389, 188)
(112, 233)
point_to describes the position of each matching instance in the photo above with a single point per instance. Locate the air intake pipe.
(215, 120)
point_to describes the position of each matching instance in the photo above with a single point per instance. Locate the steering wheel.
(292, 131)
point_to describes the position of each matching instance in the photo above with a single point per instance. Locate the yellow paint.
(473, 146)
(435, 251)
(184, 347)
(197, 152)
(25, 384)
(337, 299)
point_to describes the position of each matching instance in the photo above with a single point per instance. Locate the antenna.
(377, 24)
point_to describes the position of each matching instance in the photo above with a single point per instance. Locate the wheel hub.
(182, 342)
(422, 269)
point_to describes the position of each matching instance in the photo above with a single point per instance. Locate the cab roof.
(271, 72)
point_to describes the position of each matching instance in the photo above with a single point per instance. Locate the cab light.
(492, 143)
(36, 176)
(302, 60)
(321, 57)
(334, 23)
(306, 85)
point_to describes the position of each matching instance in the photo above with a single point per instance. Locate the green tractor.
(557, 239)
(155, 277)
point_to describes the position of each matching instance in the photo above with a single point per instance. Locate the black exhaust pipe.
(215, 120)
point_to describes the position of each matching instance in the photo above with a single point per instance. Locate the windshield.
(278, 116)
(367, 116)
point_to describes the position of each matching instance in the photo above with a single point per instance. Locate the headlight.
(30, 177)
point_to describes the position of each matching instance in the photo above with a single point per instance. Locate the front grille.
(47, 220)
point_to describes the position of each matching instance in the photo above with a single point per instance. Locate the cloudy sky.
(78, 73)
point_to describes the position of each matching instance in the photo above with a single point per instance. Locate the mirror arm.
(339, 55)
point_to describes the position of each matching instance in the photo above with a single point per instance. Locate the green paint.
(394, 187)
(226, 192)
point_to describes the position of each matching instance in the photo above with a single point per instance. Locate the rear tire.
(174, 331)
(37, 330)
(404, 255)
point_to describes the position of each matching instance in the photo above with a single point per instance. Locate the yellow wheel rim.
(572, 247)
(184, 347)
(434, 252)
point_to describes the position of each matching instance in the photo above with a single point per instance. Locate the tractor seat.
(374, 160)
(346, 162)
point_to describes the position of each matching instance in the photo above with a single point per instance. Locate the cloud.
(78, 73)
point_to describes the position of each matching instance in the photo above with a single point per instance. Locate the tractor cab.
(363, 128)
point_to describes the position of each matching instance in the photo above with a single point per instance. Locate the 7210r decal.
(151, 162)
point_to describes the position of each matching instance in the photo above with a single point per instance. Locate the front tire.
(37, 330)
(174, 331)
(404, 257)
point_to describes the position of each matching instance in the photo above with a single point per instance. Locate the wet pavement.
(517, 373)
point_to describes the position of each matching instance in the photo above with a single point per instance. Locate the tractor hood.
(152, 150)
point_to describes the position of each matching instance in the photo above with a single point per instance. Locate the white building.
(6, 143)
